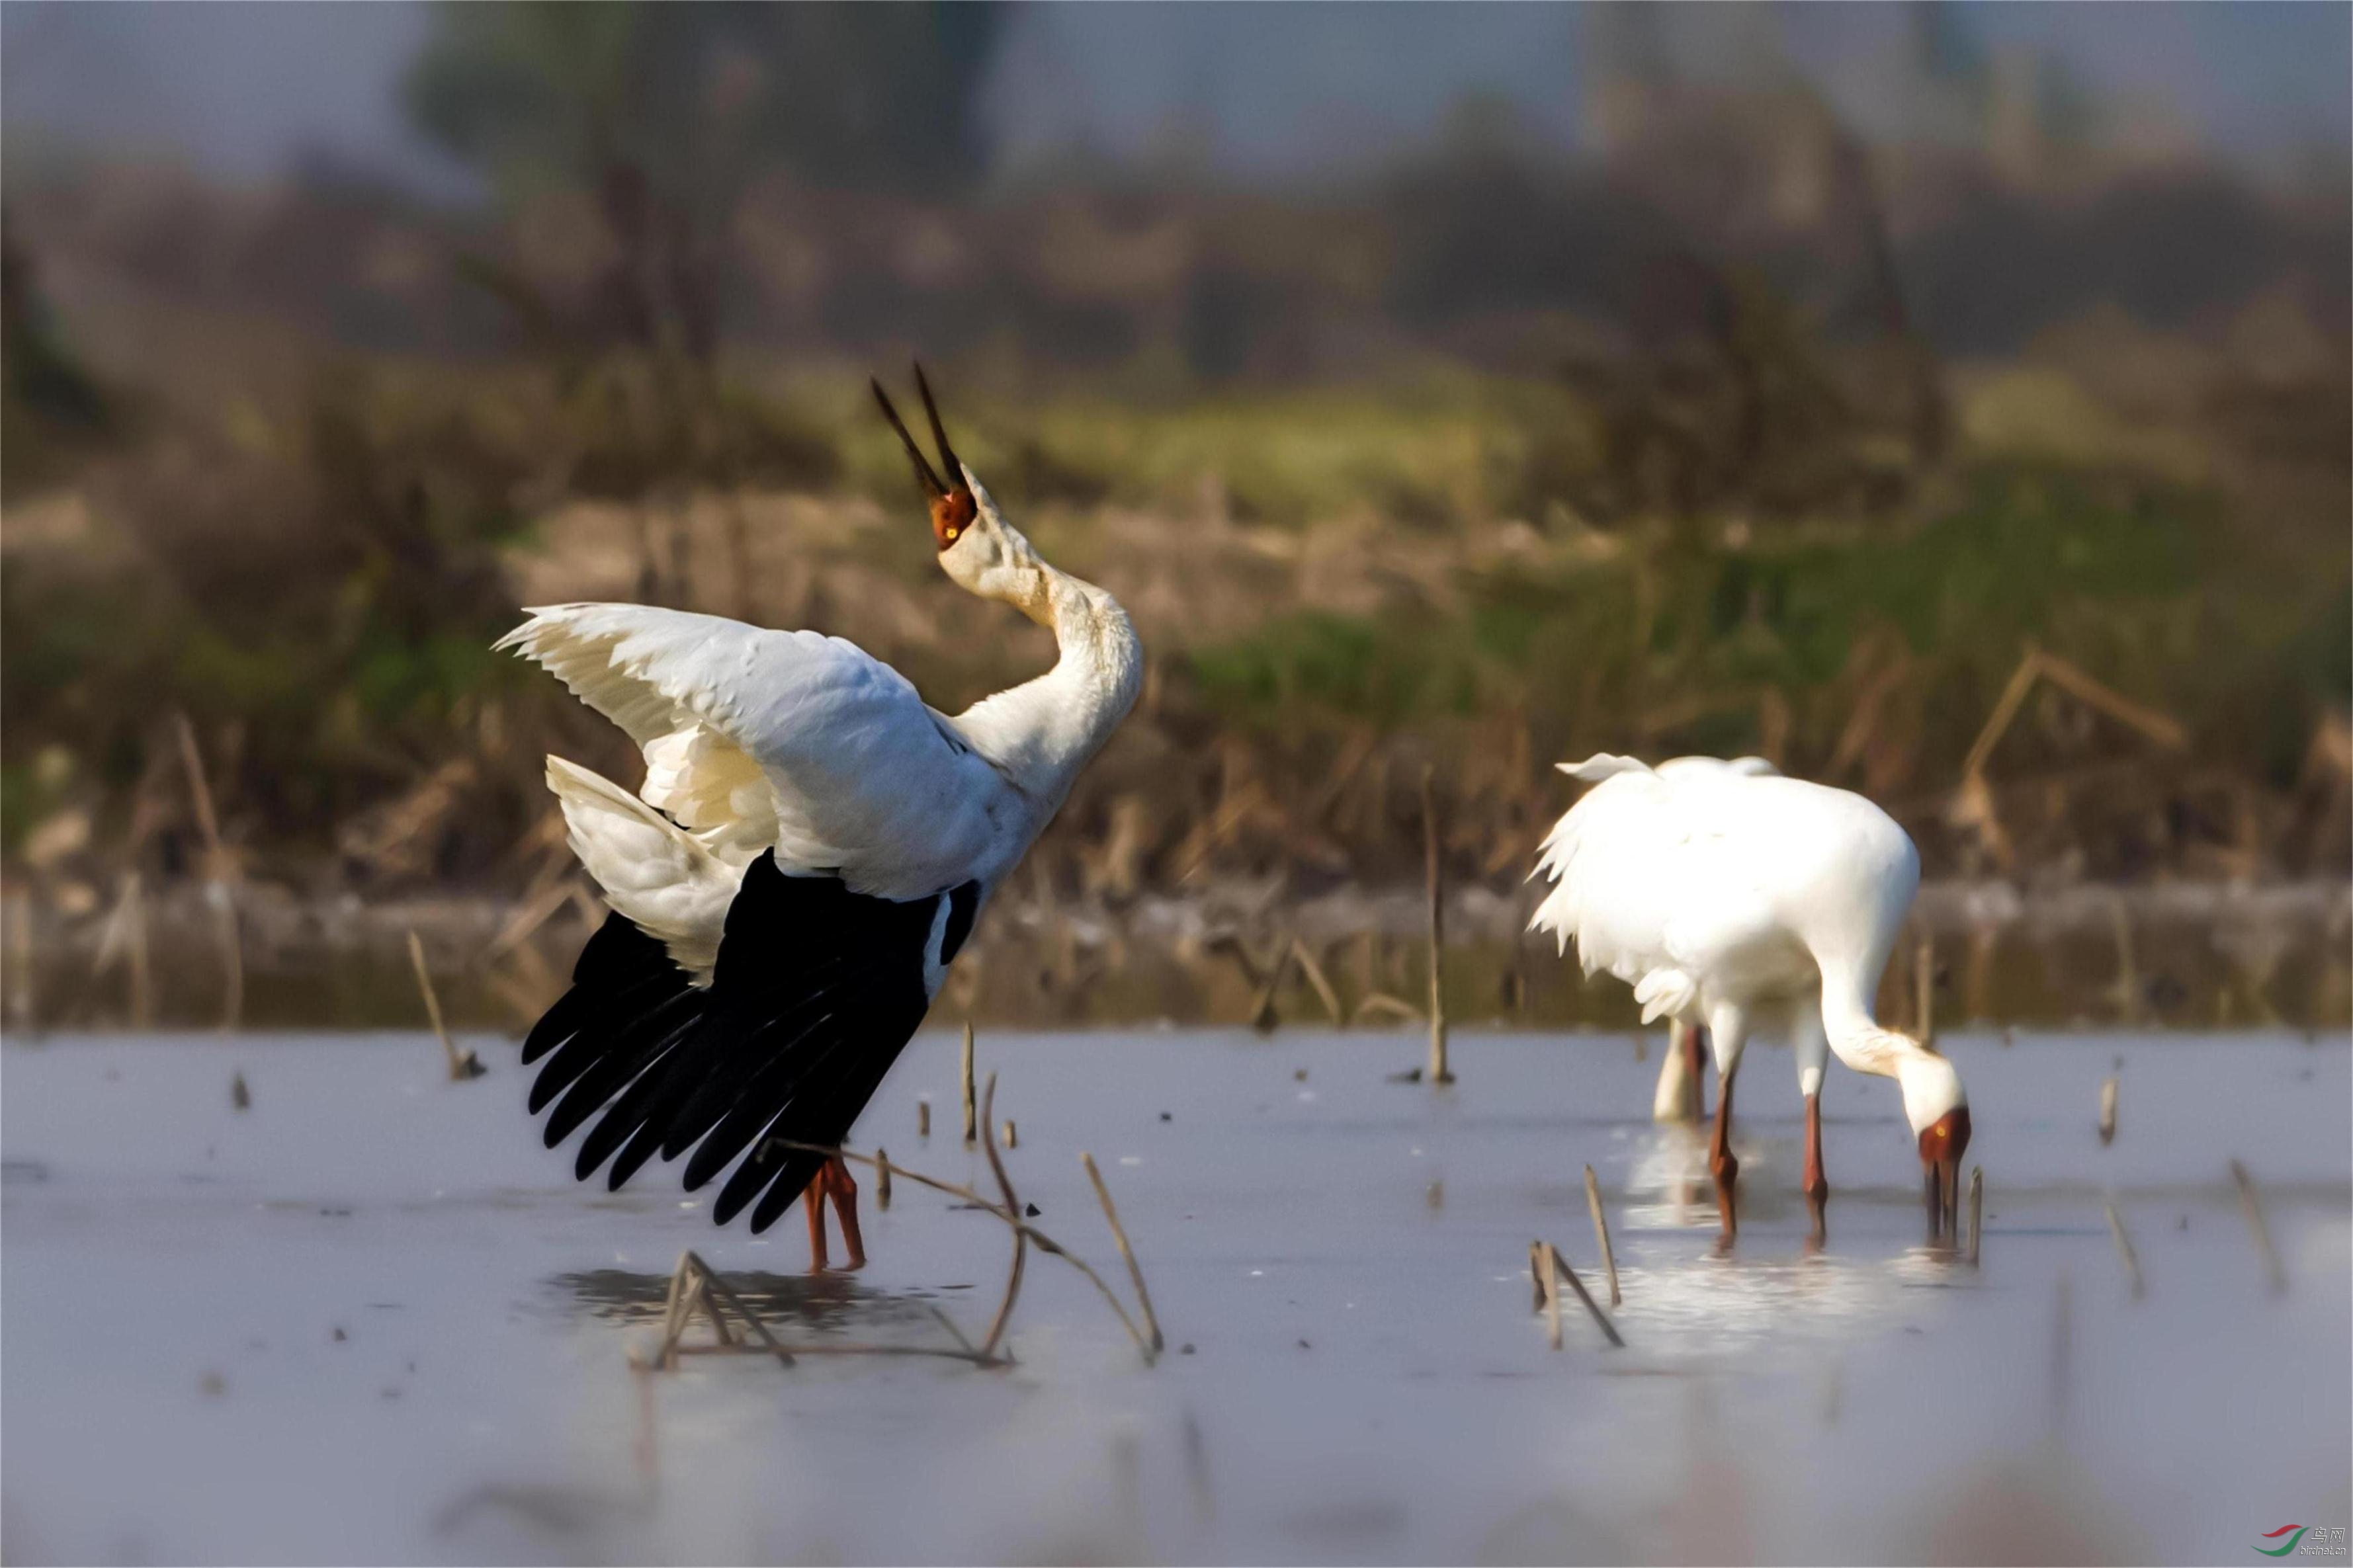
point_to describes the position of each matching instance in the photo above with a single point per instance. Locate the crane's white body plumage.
(1729, 895)
(805, 744)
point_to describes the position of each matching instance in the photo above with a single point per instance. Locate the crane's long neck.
(1859, 1039)
(1041, 732)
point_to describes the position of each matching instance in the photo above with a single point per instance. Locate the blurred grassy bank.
(1758, 544)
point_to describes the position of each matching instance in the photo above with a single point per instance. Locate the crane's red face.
(953, 507)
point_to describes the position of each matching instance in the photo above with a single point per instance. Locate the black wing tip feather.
(816, 991)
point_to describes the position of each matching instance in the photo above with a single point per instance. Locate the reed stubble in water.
(1601, 1233)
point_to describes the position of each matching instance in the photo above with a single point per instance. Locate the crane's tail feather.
(651, 870)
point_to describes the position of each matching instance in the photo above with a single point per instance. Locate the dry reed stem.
(220, 873)
(1433, 874)
(1382, 1002)
(1547, 1273)
(2253, 1208)
(924, 1118)
(2125, 1248)
(2107, 1110)
(882, 1179)
(1043, 1242)
(1977, 1210)
(1127, 1253)
(1601, 1233)
(1924, 989)
(1010, 1135)
(463, 1063)
(1321, 983)
(1536, 1274)
(1012, 1206)
(1609, 1329)
(971, 1132)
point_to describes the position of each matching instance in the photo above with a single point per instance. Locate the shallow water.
(1345, 1254)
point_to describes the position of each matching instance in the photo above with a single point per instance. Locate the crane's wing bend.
(757, 739)
(816, 991)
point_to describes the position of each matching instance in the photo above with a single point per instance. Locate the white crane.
(805, 859)
(1736, 900)
(1682, 1093)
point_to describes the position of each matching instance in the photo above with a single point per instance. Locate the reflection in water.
(808, 1305)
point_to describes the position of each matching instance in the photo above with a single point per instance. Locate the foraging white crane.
(805, 859)
(1734, 898)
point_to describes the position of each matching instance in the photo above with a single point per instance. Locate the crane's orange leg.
(1722, 1166)
(1817, 1186)
(833, 1182)
(843, 1191)
(813, 1200)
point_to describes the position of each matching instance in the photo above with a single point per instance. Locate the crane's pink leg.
(1722, 1166)
(843, 1191)
(1816, 1186)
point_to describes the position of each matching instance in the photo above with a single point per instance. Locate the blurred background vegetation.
(1700, 406)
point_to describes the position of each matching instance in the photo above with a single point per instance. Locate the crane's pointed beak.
(953, 507)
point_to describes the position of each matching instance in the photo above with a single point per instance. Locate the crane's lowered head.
(982, 552)
(1938, 1111)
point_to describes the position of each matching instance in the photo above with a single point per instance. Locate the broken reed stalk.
(1548, 1278)
(973, 1199)
(2107, 1110)
(882, 1179)
(1601, 1233)
(1127, 1253)
(971, 1133)
(2125, 1248)
(1609, 1329)
(1439, 1071)
(1013, 1206)
(1536, 1274)
(463, 1063)
(1010, 1135)
(125, 939)
(2253, 1208)
(1923, 988)
(1977, 1210)
(219, 877)
(924, 1118)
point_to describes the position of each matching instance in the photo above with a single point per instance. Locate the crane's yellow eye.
(952, 534)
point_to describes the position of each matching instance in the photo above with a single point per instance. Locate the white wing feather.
(756, 737)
